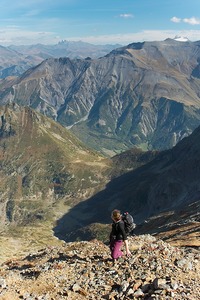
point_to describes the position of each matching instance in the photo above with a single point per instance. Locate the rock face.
(84, 270)
(144, 94)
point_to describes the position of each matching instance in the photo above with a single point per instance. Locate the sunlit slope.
(41, 162)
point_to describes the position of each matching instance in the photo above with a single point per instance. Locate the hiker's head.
(116, 215)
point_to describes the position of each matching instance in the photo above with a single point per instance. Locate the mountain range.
(51, 179)
(15, 60)
(144, 95)
(43, 164)
(142, 98)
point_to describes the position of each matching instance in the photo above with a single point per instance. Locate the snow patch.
(181, 38)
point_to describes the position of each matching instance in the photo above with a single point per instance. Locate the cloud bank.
(15, 35)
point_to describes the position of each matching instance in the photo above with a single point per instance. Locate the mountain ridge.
(15, 60)
(143, 94)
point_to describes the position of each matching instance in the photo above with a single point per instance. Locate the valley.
(80, 137)
(99, 122)
(142, 95)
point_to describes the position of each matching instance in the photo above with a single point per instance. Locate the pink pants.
(115, 247)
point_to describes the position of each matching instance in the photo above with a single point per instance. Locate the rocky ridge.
(84, 270)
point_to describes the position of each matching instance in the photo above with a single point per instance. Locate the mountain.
(42, 166)
(15, 60)
(14, 63)
(144, 95)
(45, 171)
(66, 48)
(130, 160)
(50, 179)
(162, 195)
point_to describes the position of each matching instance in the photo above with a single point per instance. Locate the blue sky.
(97, 21)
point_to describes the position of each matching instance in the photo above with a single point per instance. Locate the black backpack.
(129, 223)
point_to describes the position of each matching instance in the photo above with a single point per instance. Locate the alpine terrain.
(45, 171)
(84, 270)
(81, 137)
(144, 94)
(162, 195)
(14, 60)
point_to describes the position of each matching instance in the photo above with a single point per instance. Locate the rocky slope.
(83, 270)
(180, 227)
(144, 94)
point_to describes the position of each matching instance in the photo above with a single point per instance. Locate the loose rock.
(84, 270)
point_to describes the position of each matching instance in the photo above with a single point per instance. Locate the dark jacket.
(118, 231)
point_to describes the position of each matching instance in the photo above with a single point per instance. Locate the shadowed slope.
(168, 183)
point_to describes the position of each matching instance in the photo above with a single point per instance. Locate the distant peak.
(181, 38)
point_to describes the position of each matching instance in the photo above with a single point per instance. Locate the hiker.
(118, 236)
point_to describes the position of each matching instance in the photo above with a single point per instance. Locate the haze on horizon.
(99, 22)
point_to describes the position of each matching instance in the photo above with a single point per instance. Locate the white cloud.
(126, 16)
(15, 35)
(192, 21)
(175, 20)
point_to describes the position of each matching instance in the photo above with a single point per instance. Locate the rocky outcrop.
(84, 270)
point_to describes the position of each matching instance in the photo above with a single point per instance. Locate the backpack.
(129, 223)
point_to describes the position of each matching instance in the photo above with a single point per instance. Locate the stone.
(76, 278)
(138, 293)
(2, 283)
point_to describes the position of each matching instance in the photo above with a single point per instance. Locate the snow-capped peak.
(181, 38)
